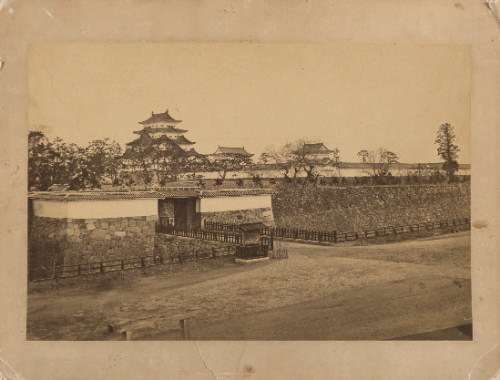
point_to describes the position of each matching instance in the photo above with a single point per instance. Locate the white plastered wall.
(219, 204)
(95, 209)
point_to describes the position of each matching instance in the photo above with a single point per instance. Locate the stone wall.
(71, 241)
(264, 215)
(356, 208)
(46, 242)
(171, 246)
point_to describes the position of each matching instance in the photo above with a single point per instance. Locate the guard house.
(251, 232)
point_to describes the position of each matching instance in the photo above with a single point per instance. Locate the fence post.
(334, 236)
(184, 329)
(79, 270)
(143, 264)
(122, 267)
(101, 268)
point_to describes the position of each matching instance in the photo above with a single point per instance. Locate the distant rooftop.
(232, 150)
(316, 148)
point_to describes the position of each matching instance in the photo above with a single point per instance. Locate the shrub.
(257, 180)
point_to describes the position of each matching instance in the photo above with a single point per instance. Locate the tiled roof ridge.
(232, 150)
(191, 191)
(160, 117)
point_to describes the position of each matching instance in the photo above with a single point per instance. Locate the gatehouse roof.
(167, 192)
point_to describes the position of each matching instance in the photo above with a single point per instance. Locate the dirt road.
(340, 292)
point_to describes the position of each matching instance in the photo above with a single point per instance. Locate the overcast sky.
(349, 96)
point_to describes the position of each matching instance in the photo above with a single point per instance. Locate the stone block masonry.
(171, 246)
(264, 215)
(54, 241)
(73, 241)
(358, 208)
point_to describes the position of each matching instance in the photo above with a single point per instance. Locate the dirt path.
(273, 294)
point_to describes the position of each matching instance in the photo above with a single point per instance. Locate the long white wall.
(217, 204)
(96, 209)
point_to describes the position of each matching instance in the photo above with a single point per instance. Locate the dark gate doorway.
(185, 214)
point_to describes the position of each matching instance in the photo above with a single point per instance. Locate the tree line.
(58, 162)
(292, 157)
(102, 162)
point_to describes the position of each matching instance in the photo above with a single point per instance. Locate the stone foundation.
(171, 246)
(358, 208)
(264, 215)
(73, 241)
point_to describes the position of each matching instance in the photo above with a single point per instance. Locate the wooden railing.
(126, 264)
(337, 237)
(217, 226)
(223, 236)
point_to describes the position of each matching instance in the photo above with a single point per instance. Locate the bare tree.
(234, 162)
(447, 149)
(303, 155)
(283, 159)
(381, 161)
(311, 156)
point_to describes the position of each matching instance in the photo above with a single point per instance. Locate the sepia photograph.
(249, 191)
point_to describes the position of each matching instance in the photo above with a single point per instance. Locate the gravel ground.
(155, 305)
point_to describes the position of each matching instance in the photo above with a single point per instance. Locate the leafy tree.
(363, 155)
(54, 162)
(40, 157)
(447, 149)
(194, 162)
(265, 157)
(102, 160)
(57, 162)
(156, 160)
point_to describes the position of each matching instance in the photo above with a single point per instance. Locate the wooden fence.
(207, 234)
(337, 237)
(122, 265)
(217, 226)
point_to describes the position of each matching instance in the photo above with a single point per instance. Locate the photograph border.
(357, 21)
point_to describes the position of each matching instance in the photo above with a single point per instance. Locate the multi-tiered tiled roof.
(158, 131)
